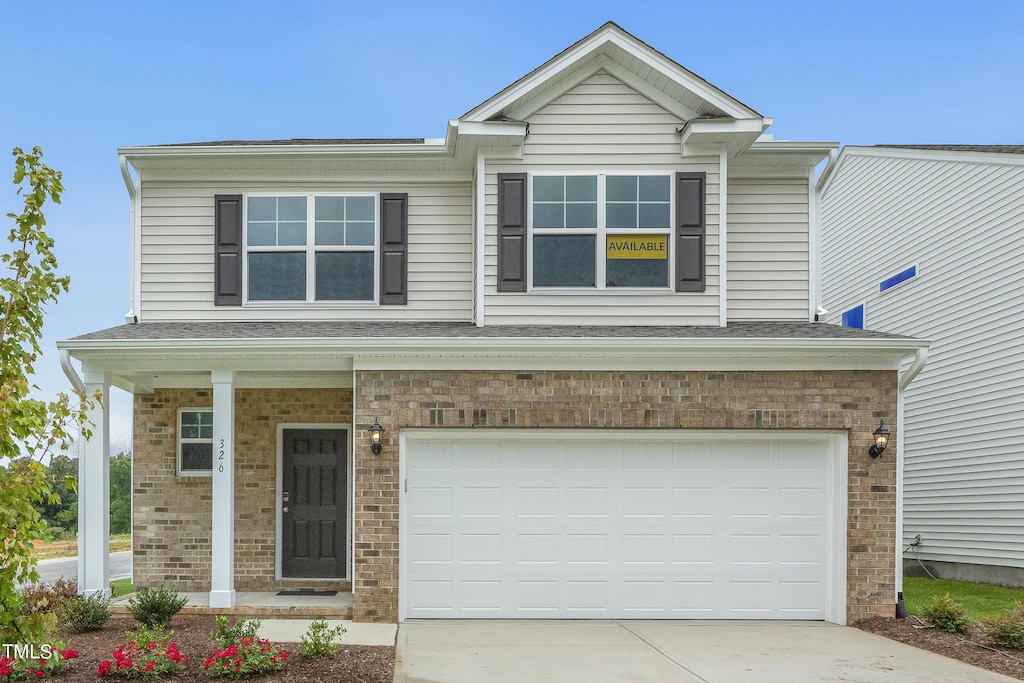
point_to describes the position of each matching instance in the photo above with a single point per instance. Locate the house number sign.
(220, 457)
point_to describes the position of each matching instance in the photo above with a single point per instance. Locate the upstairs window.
(195, 441)
(601, 231)
(311, 248)
(854, 317)
(897, 279)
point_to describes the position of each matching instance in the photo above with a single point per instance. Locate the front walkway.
(483, 651)
(337, 606)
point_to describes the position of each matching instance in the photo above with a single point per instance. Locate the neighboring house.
(928, 240)
(582, 319)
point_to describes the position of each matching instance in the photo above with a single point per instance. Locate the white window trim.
(917, 273)
(179, 440)
(600, 232)
(310, 249)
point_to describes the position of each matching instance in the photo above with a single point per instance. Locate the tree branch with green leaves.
(30, 429)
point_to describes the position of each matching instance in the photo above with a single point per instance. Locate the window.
(601, 231)
(898, 278)
(195, 441)
(854, 317)
(311, 248)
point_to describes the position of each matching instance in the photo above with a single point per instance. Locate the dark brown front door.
(313, 509)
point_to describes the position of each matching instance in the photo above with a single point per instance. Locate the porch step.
(261, 606)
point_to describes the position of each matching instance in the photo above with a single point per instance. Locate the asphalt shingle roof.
(992, 149)
(412, 330)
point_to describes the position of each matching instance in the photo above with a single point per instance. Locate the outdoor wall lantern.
(881, 440)
(376, 431)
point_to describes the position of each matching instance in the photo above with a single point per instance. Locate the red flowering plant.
(152, 660)
(40, 663)
(247, 656)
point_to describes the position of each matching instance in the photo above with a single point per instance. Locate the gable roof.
(633, 61)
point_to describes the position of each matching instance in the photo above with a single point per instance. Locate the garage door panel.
(599, 529)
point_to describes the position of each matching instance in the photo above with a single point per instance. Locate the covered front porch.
(226, 526)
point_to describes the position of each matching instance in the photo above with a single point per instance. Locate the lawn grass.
(979, 599)
(46, 551)
(119, 587)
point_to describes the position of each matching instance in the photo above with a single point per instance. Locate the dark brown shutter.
(511, 232)
(227, 265)
(394, 232)
(690, 232)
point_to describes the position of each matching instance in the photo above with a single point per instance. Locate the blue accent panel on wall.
(896, 279)
(854, 317)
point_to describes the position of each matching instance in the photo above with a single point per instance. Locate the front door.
(314, 482)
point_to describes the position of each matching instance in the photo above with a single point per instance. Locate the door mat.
(309, 591)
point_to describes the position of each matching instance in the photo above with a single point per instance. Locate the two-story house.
(557, 364)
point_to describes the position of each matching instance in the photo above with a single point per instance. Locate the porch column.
(222, 568)
(94, 493)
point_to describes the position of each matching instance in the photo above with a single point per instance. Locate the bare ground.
(974, 647)
(353, 663)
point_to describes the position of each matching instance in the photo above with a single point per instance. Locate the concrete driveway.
(677, 651)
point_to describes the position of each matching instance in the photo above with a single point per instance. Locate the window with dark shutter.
(227, 266)
(690, 229)
(511, 232)
(394, 218)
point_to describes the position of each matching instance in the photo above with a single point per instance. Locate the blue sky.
(81, 79)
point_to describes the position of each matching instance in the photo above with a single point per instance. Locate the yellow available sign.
(638, 247)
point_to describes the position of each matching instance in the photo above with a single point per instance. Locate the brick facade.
(172, 514)
(849, 400)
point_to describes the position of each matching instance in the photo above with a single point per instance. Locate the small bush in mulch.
(43, 662)
(1006, 629)
(318, 640)
(85, 613)
(946, 614)
(156, 607)
(42, 598)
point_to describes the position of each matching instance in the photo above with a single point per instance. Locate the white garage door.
(621, 525)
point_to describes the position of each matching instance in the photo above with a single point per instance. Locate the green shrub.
(224, 635)
(318, 640)
(156, 607)
(85, 613)
(946, 615)
(149, 634)
(1006, 629)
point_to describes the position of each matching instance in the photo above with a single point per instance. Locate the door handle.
(285, 509)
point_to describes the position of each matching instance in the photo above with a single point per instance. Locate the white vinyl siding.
(602, 126)
(768, 250)
(177, 253)
(962, 223)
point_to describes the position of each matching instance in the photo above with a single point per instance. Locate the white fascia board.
(144, 158)
(593, 45)
(803, 153)
(305, 353)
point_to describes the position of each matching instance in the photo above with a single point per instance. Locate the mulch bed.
(353, 663)
(967, 648)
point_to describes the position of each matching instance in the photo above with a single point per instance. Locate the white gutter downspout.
(723, 250)
(133, 244)
(70, 372)
(905, 378)
(478, 280)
